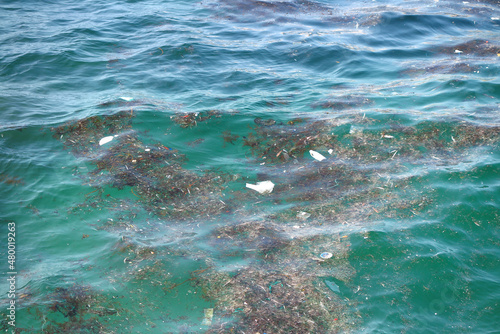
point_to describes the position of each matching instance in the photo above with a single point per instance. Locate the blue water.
(156, 230)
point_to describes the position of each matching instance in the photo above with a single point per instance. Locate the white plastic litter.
(303, 215)
(126, 98)
(334, 287)
(105, 140)
(207, 319)
(264, 187)
(316, 155)
(330, 151)
(325, 255)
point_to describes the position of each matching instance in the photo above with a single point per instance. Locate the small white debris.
(264, 187)
(330, 151)
(207, 319)
(326, 255)
(126, 98)
(105, 140)
(303, 215)
(388, 136)
(147, 150)
(316, 155)
(458, 51)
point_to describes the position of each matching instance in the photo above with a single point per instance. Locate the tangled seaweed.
(74, 309)
(477, 47)
(187, 120)
(356, 141)
(278, 282)
(282, 290)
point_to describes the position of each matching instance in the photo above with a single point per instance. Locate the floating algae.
(279, 290)
(371, 143)
(73, 309)
(240, 10)
(155, 172)
(343, 102)
(187, 120)
(261, 271)
(442, 67)
(476, 47)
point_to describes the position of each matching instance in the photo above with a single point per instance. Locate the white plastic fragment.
(330, 151)
(458, 51)
(303, 215)
(105, 140)
(388, 136)
(126, 98)
(316, 155)
(207, 319)
(334, 287)
(264, 187)
(147, 150)
(326, 255)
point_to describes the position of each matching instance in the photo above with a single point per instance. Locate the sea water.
(153, 230)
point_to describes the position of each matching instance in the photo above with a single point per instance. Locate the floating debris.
(325, 255)
(334, 287)
(343, 102)
(259, 9)
(264, 122)
(303, 215)
(12, 180)
(316, 155)
(229, 138)
(191, 119)
(264, 187)
(207, 319)
(478, 47)
(105, 140)
(278, 284)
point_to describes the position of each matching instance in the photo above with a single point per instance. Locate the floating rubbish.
(330, 151)
(126, 98)
(334, 287)
(458, 51)
(264, 122)
(325, 255)
(316, 155)
(105, 140)
(303, 215)
(209, 314)
(264, 187)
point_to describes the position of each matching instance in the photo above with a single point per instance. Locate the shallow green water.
(156, 229)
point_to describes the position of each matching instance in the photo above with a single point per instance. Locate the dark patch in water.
(476, 47)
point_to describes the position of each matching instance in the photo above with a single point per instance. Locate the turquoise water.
(155, 231)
